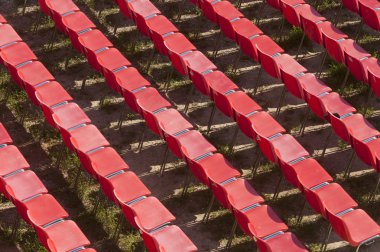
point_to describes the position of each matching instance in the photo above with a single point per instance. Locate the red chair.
(329, 198)
(359, 128)
(287, 150)
(33, 75)
(334, 41)
(92, 43)
(140, 11)
(160, 27)
(374, 75)
(5, 139)
(259, 221)
(50, 96)
(306, 173)
(44, 7)
(226, 15)
(11, 160)
(169, 122)
(87, 139)
(272, 62)
(8, 35)
(63, 236)
(59, 9)
(198, 66)
(193, 145)
(177, 46)
(169, 238)
(370, 12)
(149, 214)
(355, 59)
(13, 57)
(67, 118)
(76, 24)
(290, 71)
(207, 7)
(291, 10)
(355, 226)
(124, 8)
(245, 31)
(352, 5)
(279, 242)
(265, 43)
(311, 22)
(124, 187)
(367, 150)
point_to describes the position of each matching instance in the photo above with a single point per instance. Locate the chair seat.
(245, 28)
(287, 149)
(70, 115)
(359, 127)
(150, 213)
(178, 43)
(77, 22)
(335, 104)
(170, 121)
(94, 40)
(62, 7)
(260, 122)
(241, 194)
(107, 161)
(266, 45)
(34, 73)
(143, 8)
(16, 54)
(52, 93)
(197, 62)
(332, 32)
(354, 51)
(112, 59)
(150, 100)
(161, 25)
(4, 136)
(130, 79)
(226, 10)
(193, 144)
(44, 209)
(242, 104)
(278, 243)
(8, 35)
(87, 138)
(11, 160)
(312, 86)
(374, 75)
(219, 83)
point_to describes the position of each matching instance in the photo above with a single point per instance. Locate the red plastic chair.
(140, 11)
(50, 96)
(76, 24)
(368, 150)
(279, 242)
(87, 139)
(63, 236)
(291, 10)
(111, 60)
(359, 128)
(356, 227)
(149, 214)
(272, 62)
(160, 27)
(193, 145)
(124, 187)
(355, 59)
(329, 198)
(226, 15)
(67, 118)
(124, 8)
(374, 75)
(245, 30)
(177, 45)
(14, 55)
(352, 5)
(11, 160)
(4, 136)
(169, 122)
(334, 41)
(207, 7)
(259, 221)
(8, 35)
(32, 75)
(286, 150)
(290, 72)
(169, 238)
(265, 43)
(59, 9)
(92, 43)
(370, 12)
(311, 22)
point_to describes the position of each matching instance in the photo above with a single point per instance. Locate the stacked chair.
(299, 168)
(256, 218)
(33, 202)
(100, 160)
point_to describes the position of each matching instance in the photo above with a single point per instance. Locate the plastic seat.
(265, 43)
(330, 198)
(277, 243)
(311, 22)
(213, 169)
(244, 31)
(370, 12)
(226, 15)
(63, 236)
(11, 160)
(207, 7)
(368, 151)
(273, 62)
(177, 45)
(140, 11)
(291, 10)
(59, 9)
(355, 226)
(2, 20)
(170, 238)
(66, 118)
(124, 8)
(50, 96)
(259, 221)
(289, 72)
(359, 128)
(352, 5)
(148, 214)
(242, 104)
(14, 55)
(355, 59)
(198, 66)
(169, 122)
(374, 75)
(87, 139)
(4, 136)
(92, 43)
(334, 41)
(159, 27)
(8, 35)
(193, 145)
(76, 24)
(306, 173)
(31, 75)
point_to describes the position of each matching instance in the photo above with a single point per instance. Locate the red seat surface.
(107, 161)
(8, 35)
(11, 160)
(51, 94)
(286, 149)
(87, 138)
(287, 240)
(16, 54)
(170, 121)
(193, 144)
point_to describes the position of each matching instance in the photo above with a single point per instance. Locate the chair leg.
(238, 5)
(322, 64)
(116, 233)
(121, 119)
(150, 59)
(218, 44)
(257, 84)
(373, 194)
(326, 143)
(189, 98)
(359, 30)
(97, 203)
(282, 97)
(348, 168)
(209, 208)
(180, 10)
(83, 85)
(141, 143)
(77, 176)
(281, 29)
(300, 214)
(24, 7)
(236, 60)
(233, 140)
(261, 10)
(101, 8)
(164, 161)
(277, 191)
(37, 23)
(303, 125)
(52, 38)
(300, 45)
(368, 101)
(327, 237)
(186, 184)
(345, 79)
(256, 163)
(232, 234)
(338, 15)
(168, 80)
(211, 119)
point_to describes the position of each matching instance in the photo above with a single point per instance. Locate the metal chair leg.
(326, 143)
(116, 233)
(83, 84)
(281, 102)
(121, 119)
(345, 79)
(164, 161)
(322, 64)
(262, 7)
(101, 8)
(277, 191)
(150, 59)
(327, 237)
(97, 203)
(237, 60)
(257, 83)
(368, 101)
(232, 234)
(373, 194)
(218, 44)
(51, 40)
(211, 119)
(238, 5)
(256, 163)
(303, 125)
(348, 168)
(300, 214)
(141, 143)
(168, 80)
(186, 184)
(233, 140)
(359, 30)
(338, 15)
(189, 98)
(300, 45)
(206, 216)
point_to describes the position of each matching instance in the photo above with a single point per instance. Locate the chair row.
(369, 10)
(359, 62)
(212, 169)
(119, 184)
(33, 202)
(275, 144)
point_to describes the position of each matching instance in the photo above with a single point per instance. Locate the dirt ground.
(41, 149)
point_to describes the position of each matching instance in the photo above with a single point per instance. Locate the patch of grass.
(109, 105)
(294, 38)
(342, 145)
(328, 4)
